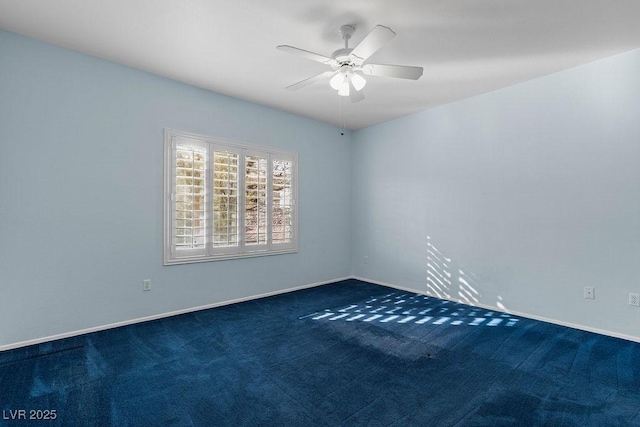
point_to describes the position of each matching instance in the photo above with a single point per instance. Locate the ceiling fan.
(349, 64)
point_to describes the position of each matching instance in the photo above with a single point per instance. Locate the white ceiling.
(466, 47)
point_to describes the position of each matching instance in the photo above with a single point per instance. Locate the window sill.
(224, 257)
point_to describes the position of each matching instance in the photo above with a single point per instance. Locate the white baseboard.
(162, 315)
(517, 313)
(297, 288)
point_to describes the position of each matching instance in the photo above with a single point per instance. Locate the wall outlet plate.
(589, 292)
(634, 299)
(146, 285)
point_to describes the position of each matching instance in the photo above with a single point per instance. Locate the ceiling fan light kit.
(340, 81)
(349, 64)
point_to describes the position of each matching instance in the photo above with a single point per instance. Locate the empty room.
(319, 213)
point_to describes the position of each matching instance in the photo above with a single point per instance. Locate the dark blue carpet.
(349, 353)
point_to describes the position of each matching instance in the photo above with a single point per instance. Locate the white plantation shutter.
(225, 200)
(282, 207)
(189, 227)
(255, 202)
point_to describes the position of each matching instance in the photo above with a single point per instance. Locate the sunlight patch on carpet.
(414, 309)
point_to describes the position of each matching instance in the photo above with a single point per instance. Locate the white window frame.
(171, 254)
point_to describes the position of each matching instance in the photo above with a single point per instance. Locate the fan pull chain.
(344, 113)
(341, 115)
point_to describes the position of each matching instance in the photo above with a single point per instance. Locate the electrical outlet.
(589, 292)
(366, 259)
(634, 299)
(146, 285)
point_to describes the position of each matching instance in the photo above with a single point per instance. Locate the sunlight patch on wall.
(446, 279)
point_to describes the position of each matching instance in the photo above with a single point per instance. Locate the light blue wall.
(81, 174)
(533, 192)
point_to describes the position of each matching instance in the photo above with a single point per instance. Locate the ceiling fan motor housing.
(342, 55)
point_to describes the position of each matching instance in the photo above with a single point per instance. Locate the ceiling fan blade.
(355, 95)
(310, 80)
(306, 54)
(397, 71)
(372, 42)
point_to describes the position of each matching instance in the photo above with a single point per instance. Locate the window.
(225, 200)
